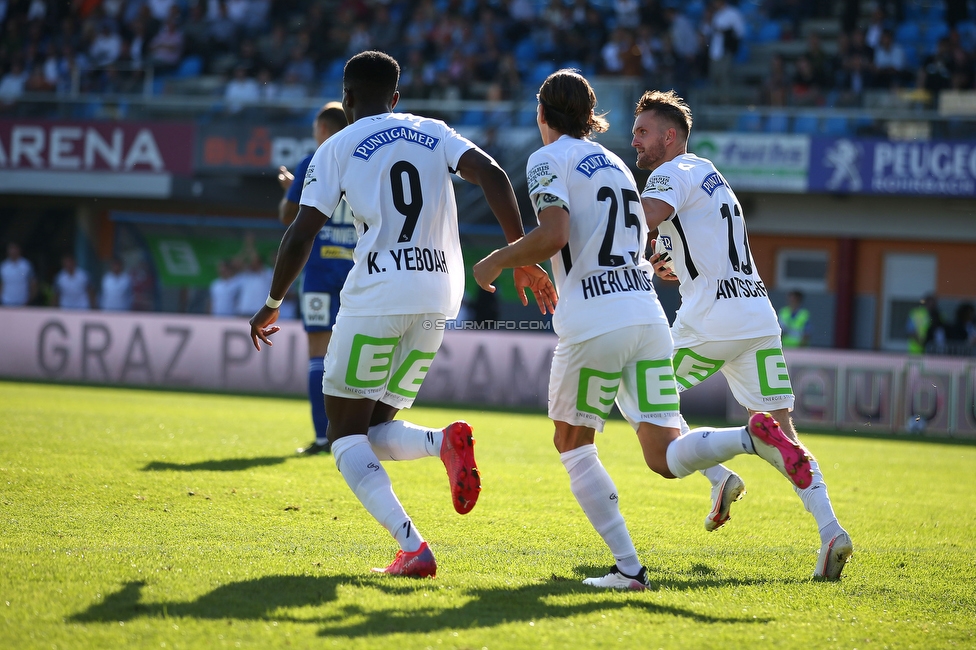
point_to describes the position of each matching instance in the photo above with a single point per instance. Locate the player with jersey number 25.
(592, 227)
(725, 321)
(394, 170)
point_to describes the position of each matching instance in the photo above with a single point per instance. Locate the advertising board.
(103, 159)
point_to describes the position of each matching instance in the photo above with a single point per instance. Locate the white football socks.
(597, 495)
(702, 448)
(817, 503)
(401, 440)
(716, 474)
(370, 483)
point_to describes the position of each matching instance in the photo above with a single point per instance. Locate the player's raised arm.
(539, 245)
(475, 166)
(292, 255)
(657, 212)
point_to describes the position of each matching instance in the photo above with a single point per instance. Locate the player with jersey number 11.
(394, 170)
(725, 321)
(614, 342)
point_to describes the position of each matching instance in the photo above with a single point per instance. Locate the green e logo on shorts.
(691, 369)
(410, 375)
(369, 361)
(773, 376)
(656, 388)
(597, 390)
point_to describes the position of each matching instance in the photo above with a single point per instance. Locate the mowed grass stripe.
(154, 519)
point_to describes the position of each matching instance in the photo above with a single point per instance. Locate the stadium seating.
(806, 123)
(190, 66)
(769, 32)
(836, 125)
(777, 123)
(908, 33)
(748, 121)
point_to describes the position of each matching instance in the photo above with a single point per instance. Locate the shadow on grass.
(225, 465)
(270, 597)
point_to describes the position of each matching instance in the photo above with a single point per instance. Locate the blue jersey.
(331, 257)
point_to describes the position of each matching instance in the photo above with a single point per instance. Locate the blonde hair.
(669, 105)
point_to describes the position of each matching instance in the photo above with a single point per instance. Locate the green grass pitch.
(166, 520)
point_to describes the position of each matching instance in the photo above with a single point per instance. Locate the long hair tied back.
(568, 103)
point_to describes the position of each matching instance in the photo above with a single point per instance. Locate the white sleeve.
(542, 178)
(321, 188)
(667, 183)
(455, 145)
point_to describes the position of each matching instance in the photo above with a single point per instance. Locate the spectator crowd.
(881, 56)
(276, 50)
(240, 288)
(119, 289)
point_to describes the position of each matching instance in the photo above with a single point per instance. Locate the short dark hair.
(668, 105)
(568, 102)
(332, 116)
(372, 73)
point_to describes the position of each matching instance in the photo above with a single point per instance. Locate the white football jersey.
(395, 170)
(603, 280)
(722, 295)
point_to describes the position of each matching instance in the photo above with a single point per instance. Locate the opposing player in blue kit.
(328, 264)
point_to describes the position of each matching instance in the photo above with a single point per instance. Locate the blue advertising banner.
(930, 168)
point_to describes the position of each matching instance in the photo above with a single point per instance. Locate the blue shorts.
(319, 302)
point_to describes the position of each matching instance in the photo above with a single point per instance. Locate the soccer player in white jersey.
(725, 321)
(394, 170)
(614, 340)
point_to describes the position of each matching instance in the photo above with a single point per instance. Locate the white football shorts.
(755, 369)
(383, 358)
(631, 366)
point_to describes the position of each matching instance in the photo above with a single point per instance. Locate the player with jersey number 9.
(394, 170)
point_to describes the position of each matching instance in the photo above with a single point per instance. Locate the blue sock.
(316, 368)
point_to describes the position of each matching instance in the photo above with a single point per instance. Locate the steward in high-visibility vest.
(919, 323)
(793, 320)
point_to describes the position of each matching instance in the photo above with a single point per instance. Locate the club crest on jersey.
(539, 176)
(658, 184)
(594, 163)
(372, 143)
(665, 240)
(309, 176)
(712, 182)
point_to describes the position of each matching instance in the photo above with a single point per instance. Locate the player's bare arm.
(539, 245)
(292, 255)
(287, 210)
(657, 212)
(475, 166)
(481, 169)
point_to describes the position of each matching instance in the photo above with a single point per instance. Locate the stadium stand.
(87, 59)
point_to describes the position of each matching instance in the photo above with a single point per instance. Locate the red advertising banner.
(94, 158)
(252, 149)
